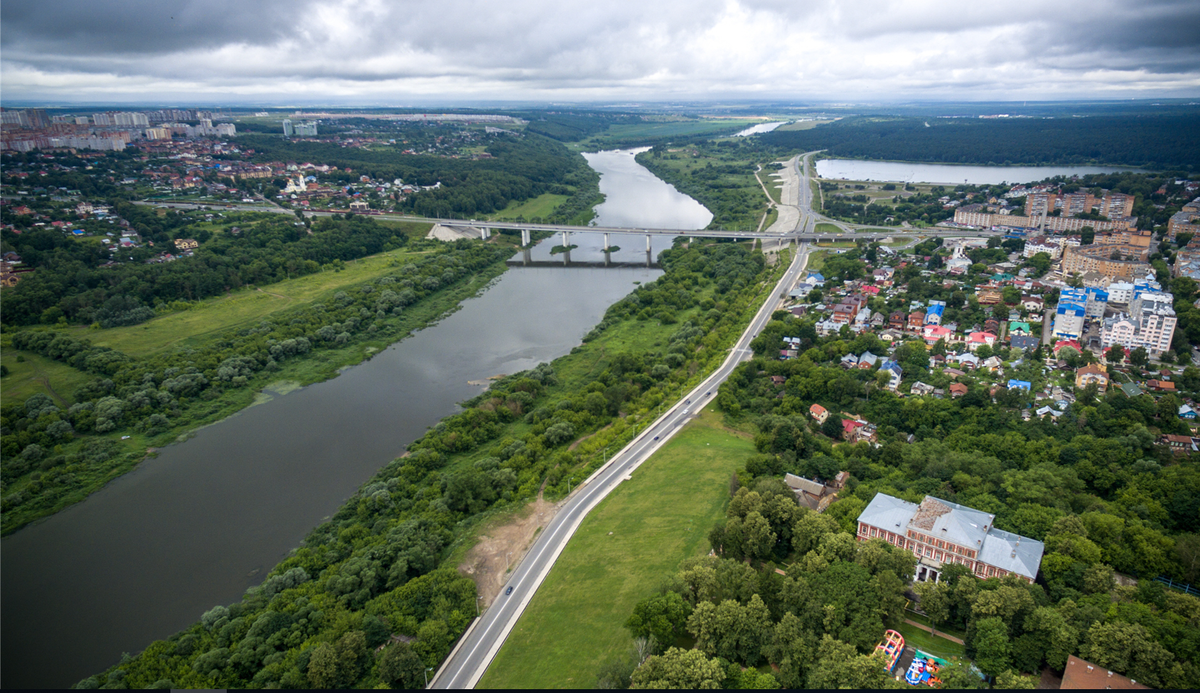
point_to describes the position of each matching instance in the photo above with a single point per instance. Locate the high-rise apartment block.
(1150, 324)
(287, 128)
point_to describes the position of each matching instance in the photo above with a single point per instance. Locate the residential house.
(939, 532)
(916, 321)
(1187, 413)
(810, 494)
(992, 364)
(958, 390)
(1020, 385)
(819, 413)
(935, 332)
(867, 361)
(991, 325)
(978, 339)
(849, 361)
(897, 320)
(1161, 385)
(1024, 342)
(1131, 389)
(1092, 373)
(896, 373)
(1179, 445)
(967, 360)
(920, 388)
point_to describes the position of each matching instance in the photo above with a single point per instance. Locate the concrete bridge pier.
(484, 232)
(647, 243)
(525, 240)
(606, 244)
(564, 237)
(607, 257)
(526, 256)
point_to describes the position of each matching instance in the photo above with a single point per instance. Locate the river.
(910, 172)
(193, 528)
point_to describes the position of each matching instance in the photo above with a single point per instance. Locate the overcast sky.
(407, 52)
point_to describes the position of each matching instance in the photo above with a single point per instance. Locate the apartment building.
(1128, 264)
(1045, 223)
(939, 532)
(1150, 324)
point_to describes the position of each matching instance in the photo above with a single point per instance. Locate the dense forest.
(1168, 141)
(366, 600)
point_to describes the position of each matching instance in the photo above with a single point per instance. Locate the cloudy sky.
(407, 52)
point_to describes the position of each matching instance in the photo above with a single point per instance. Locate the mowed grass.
(825, 227)
(662, 516)
(244, 307)
(541, 206)
(931, 644)
(34, 374)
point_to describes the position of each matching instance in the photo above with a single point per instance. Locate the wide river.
(910, 172)
(193, 528)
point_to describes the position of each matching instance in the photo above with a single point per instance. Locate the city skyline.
(382, 54)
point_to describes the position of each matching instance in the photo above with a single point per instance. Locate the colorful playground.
(892, 647)
(924, 669)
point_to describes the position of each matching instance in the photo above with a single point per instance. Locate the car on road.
(508, 591)
(656, 437)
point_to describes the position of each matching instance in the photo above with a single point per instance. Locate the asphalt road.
(471, 657)
(483, 639)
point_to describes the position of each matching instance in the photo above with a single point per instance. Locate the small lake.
(911, 172)
(208, 518)
(759, 129)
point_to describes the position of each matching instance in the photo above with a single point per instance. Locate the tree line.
(367, 599)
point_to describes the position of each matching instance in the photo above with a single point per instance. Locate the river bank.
(207, 519)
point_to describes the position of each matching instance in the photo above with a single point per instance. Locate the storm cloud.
(395, 52)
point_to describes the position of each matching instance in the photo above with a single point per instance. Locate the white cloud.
(385, 52)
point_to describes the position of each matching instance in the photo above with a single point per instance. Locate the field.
(624, 549)
(32, 374)
(723, 180)
(801, 125)
(239, 308)
(824, 227)
(931, 644)
(541, 206)
(631, 133)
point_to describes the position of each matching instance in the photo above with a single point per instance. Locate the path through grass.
(624, 549)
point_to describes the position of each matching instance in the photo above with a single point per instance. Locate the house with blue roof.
(1020, 385)
(815, 278)
(933, 314)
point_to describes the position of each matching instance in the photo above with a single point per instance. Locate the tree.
(662, 617)
(337, 665)
(1139, 357)
(400, 667)
(935, 601)
(839, 665)
(1115, 354)
(993, 651)
(1130, 649)
(832, 427)
(1012, 680)
(677, 668)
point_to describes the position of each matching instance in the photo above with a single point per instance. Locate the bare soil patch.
(503, 546)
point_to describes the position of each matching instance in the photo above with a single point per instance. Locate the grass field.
(913, 616)
(624, 549)
(931, 644)
(801, 125)
(824, 227)
(239, 308)
(541, 206)
(33, 374)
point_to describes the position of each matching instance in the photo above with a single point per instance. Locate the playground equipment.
(924, 669)
(892, 646)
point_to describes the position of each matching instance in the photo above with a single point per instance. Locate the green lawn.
(825, 227)
(541, 206)
(33, 374)
(913, 616)
(624, 549)
(243, 307)
(931, 644)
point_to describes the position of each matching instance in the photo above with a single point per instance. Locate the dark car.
(656, 437)
(508, 591)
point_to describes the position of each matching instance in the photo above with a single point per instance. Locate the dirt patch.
(503, 546)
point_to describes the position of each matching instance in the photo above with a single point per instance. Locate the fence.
(1187, 589)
